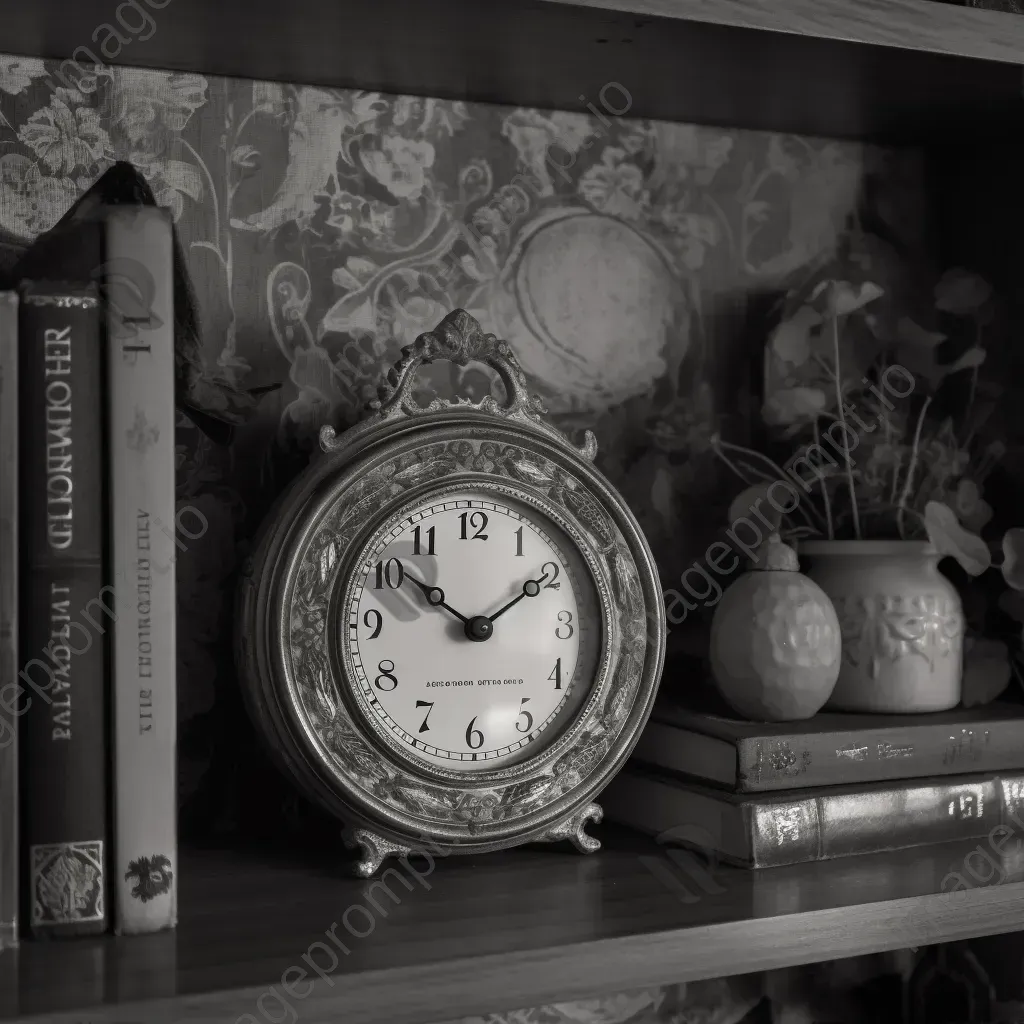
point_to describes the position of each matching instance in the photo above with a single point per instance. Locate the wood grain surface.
(906, 24)
(491, 933)
(903, 70)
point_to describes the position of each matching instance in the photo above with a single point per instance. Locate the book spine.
(9, 705)
(690, 753)
(140, 338)
(774, 832)
(877, 755)
(878, 819)
(840, 825)
(63, 601)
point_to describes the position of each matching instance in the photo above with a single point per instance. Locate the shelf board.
(903, 70)
(903, 24)
(491, 933)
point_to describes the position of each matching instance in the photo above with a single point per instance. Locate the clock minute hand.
(435, 597)
(531, 588)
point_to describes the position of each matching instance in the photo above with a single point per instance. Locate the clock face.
(473, 630)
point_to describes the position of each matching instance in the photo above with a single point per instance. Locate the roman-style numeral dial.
(473, 630)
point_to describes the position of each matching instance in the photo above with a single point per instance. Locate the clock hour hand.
(531, 588)
(435, 597)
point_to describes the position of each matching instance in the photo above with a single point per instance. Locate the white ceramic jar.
(901, 621)
(774, 646)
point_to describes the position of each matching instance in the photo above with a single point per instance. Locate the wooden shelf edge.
(889, 70)
(923, 25)
(443, 991)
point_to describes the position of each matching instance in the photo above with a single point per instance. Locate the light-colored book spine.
(770, 830)
(140, 366)
(9, 705)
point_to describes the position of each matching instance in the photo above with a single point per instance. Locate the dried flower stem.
(974, 370)
(911, 468)
(718, 446)
(777, 472)
(824, 489)
(898, 456)
(842, 416)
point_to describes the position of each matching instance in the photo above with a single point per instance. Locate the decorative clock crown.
(460, 339)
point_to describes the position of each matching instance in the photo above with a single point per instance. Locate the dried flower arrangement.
(878, 419)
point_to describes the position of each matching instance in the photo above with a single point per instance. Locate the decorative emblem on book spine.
(967, 746)
(967, 805)
(779, 759)
(782, 824)
(67, 883)
(142, 435)
(885, 628)
(152, 877)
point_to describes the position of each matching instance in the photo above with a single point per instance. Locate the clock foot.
(573, 828)
(375, 849)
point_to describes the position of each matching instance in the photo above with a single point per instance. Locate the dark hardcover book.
(772, 829)
(832, 749)
(65, 611)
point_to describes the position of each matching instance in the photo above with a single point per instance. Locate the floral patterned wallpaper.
(324, 229)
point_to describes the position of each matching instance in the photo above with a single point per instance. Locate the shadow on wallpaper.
(632, 264)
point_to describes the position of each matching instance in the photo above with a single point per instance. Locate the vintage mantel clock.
(452, 629)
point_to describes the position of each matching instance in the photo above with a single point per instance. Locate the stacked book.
(87, 576)
(766, 794)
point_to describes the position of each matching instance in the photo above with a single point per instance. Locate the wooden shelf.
(492, 933)
(908, 70)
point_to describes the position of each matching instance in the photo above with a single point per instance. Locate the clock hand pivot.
(435, 597)
(531, 588)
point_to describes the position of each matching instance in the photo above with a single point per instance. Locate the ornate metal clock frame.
(295, 669)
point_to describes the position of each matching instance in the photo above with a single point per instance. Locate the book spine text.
(143, 548)
(66, 608)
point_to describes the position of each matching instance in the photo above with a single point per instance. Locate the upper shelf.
(500, 932)
(903, 70)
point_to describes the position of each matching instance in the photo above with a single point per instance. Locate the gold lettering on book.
(59, 652)
(57, 413)
(853, 753)
(887, 750)
(145, 711)
(143, 597)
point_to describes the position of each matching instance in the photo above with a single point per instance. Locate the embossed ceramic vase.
(775, 640)
(901, 620)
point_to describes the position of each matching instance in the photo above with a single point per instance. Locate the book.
(832, 749)
(140, 366)
(212, 404)
(773, 829)
(9, 703)
(65, 610)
